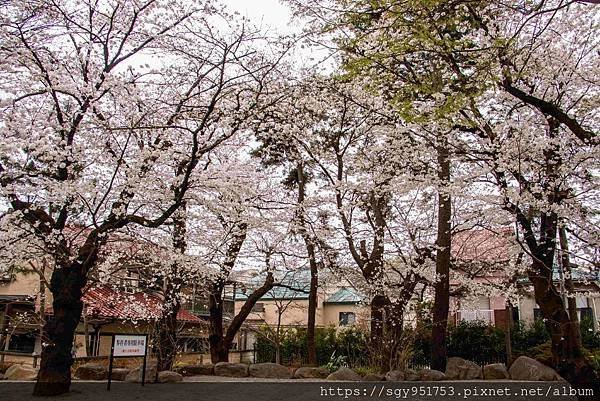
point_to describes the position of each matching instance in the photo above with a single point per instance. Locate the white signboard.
(129, 345)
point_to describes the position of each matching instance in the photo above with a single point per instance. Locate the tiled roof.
(345, 296)
(578, 275)
(296, 285)
(105, 303)
(482, 245)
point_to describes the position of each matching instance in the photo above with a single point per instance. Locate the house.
(106, 311)
(491, 251)
(286, 306)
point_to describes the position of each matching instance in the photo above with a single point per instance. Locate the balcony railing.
(466, 315)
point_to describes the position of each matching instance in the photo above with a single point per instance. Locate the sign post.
(127, 345)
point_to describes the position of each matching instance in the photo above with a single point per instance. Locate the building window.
(258, 307)
(22, 343)
(347, 318)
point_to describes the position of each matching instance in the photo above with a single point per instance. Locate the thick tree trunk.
(507, 332)
(571, 300)
(219, 352)
(314, 272)
(167, 338)
(312, 312)
(379, 356)
(441, 304)
(567, 352)
(167, 334)
(66, 286)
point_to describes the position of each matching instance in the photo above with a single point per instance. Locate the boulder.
(307, 372)
(345, 374)
(166, 376)
(20, 372)
(2, 376)
(119, 374)
(411, 375)
(229, 369)
(91, 372)
(135, 375)
(374, 377)
(495, 371)
(196, 370)
(431, 375)
(269, 370)
(461, 369)
(394, 376)
(525, 368)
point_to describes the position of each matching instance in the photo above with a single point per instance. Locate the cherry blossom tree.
(91, 134)
(527, 67)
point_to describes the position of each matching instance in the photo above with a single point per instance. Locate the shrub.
(476, 341)
(348, 343)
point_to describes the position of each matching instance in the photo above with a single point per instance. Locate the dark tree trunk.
(508, 310)
(314, 272)
(167, 337)
(312, 311)
(66, 285)
(571, 300)
(567, 352)
(441, 304)
(219, 352)
(167, 328)
(220, 340)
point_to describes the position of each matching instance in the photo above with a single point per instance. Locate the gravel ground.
(212, 388)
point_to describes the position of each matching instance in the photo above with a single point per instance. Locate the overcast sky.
(268, 12)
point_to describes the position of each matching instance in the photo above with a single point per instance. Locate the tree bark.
(507, 333)
(441, 303)
(167, 328)
(218, 351)
(220, 341)
(314, 271)
(66, 285)
(575, 328)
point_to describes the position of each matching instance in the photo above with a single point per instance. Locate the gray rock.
(525, 368)
(269, 370)
(229, 369)
(90, 371)
(431, 375)
(135, 375)
(20, 372)
(196, 370)
(461, 369)
(394, 376)
(2, 376)
(308, 372)
(345, 374)
(374, 377)
(166, 376)
(411, 375)
(120, 374)
(495, 371)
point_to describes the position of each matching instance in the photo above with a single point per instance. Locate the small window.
(347, 318)
(258, 307)
(581, 302)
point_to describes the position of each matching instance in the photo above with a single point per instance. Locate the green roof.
(577, 275)
(296, 285)
(344, 296)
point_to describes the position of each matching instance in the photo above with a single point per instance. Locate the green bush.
(349, 344)
(589, 337)
(526, 338)
(477, 342)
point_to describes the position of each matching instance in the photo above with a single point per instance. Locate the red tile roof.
(102, 302)
(480, 245)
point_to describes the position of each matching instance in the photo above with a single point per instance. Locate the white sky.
(268, 13)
